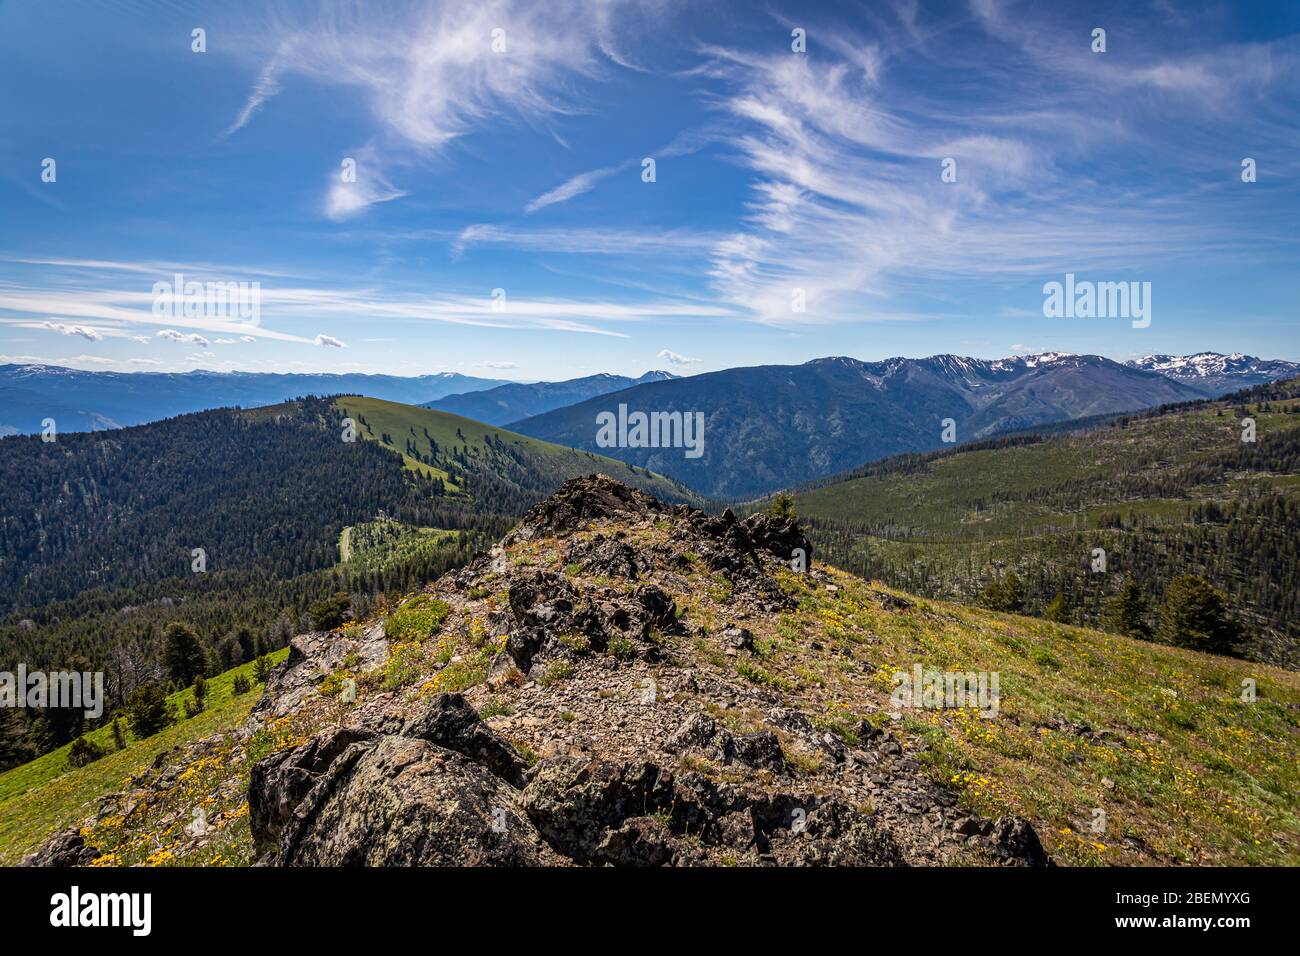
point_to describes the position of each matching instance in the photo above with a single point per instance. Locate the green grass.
(1199, 774)
(417, 620)
(47, 794)
(945, 525)
(988, 492)
(474, 440)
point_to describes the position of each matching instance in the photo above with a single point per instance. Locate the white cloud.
(673, 358)
(85, 331)
(588, 240)
(429, 72)
(583, 182)
(267, 86)
(344, 199)
(847, 207)
(330, 341)
(501, 366)
(192, 338)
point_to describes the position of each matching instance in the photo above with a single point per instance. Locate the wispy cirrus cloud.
(267, 86)
(363, 185)
(847, 207)
(579, 184)
(68, 306)
(430, 72)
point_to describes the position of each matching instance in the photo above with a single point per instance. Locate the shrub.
(556, 671)
(1006, 594)
(405, 662)
(119, 733)
(417, 620)
(83, 752)
(1058, 611)
(241, 685)
(262, 669)
(147, 710)
(330, 612)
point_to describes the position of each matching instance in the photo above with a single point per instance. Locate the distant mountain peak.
(1214, 373)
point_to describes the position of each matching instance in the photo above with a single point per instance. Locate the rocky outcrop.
(621, 647)
(65, 848)
(443, 790)
(638, 760)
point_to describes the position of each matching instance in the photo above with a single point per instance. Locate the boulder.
(408, 802)
(66, 848)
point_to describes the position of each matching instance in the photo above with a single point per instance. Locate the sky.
(466, 186)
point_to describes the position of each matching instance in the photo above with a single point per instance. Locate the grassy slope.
(1194, 772)
(939, 530)
(1185, 770)
(376, 544)
(401, 422)
(1183, 766)
(942, 498)
(48, 794)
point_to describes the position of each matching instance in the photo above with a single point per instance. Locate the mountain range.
(765, 427)
(90, 401)
(519, 400)
(1216, 374)
(771, 426)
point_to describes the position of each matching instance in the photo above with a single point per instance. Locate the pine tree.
(184, 655)
(148, 710)
(1127, 611)
(1195, 615)
(782, 507)
(1058, 610)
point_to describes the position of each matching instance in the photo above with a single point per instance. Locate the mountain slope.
(778, 425)
(475, 459)
(519, 400)
(1164, 493)
(1214, 374)
(624, 683)
(85, 401)
(98, 539)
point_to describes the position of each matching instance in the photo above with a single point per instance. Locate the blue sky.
(520, 169)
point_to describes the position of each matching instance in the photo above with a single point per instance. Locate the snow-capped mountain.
(1216, 374)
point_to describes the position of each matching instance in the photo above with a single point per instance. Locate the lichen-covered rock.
(280, 782)
(703, 735)
(65, 848)
(408, 802)
(449, 721)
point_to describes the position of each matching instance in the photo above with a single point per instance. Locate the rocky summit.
(617, 682)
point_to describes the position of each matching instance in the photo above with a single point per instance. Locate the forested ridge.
(1170, 492)
(99, 531)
